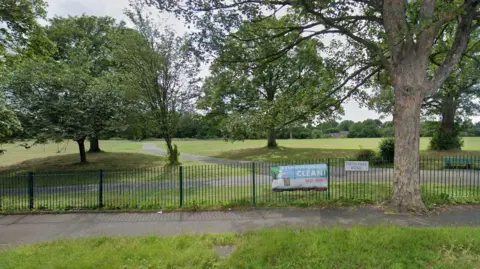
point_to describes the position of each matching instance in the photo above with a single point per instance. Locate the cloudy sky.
(114, 8)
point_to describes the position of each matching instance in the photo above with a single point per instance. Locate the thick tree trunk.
(94, 145)
(406, 194)
(272, 139)
(447, 125)
(81, 148)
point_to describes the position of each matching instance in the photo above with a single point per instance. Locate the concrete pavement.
(25, 229)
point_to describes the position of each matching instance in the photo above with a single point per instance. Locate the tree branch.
(459, 45)
(350, 92)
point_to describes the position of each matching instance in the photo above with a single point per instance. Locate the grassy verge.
(220, 197)
(357, 247)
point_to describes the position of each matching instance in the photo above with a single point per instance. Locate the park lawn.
(356, 247)
(303, 149)
(16, 154)
(96, 161)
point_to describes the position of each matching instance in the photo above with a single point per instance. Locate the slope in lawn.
(96, 161)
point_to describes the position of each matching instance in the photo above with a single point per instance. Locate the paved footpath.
(25, 229)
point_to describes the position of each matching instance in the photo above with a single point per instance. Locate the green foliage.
(345, 125)
(387, 149)
(158, 69)
(445, 141)
(365, 155)
(173, 155)
(254, 95)
(367, 128)
(9, 124)
(18, 20)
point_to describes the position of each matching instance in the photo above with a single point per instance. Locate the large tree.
(267, 95)
(455, 101)
(397, 35)
(161, 70)
(60, 101)
(85, 41)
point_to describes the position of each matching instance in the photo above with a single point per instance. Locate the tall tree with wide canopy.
(397, 35)
(269, 95)
(60, 100)
(85, 40)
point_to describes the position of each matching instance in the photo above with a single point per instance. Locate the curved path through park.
(153, 148)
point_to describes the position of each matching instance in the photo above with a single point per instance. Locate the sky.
(115, 8)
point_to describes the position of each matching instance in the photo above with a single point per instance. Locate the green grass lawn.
(357, 247)
(303, 149)
(16, 154)
(117, 155)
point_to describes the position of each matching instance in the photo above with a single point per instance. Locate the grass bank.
(357, 247)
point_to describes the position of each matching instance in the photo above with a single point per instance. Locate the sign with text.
(356, 166)
(300, 177)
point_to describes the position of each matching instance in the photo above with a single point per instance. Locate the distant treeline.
(192, 125)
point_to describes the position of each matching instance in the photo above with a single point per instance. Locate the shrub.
(365, 155)
(173, 156)
(443, 141)
(387, 149)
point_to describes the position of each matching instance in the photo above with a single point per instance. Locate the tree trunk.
(94, 145)
(172, 152)
(81, 148)
(272, 139)
(447, 125)
(406, 194)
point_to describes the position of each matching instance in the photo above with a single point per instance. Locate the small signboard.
(300, 177)
(356, 166)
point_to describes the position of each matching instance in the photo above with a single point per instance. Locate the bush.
(365, 155)
(443, 141)
(173, 156)
(387, 149)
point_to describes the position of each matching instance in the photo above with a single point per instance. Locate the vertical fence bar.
(328, 179)
(253, 184)
(180, 177)
(100, 188)
(30, 190)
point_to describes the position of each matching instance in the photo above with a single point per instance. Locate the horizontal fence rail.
(443, 180)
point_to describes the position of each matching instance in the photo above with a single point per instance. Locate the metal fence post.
(328, 179)
(253, 184)
(30, 190)
(100, 188)
(180, 177)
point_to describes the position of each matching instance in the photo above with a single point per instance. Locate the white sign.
(356, 166)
